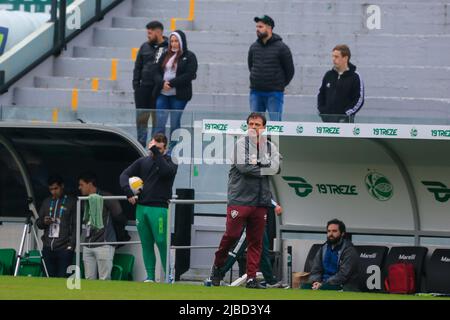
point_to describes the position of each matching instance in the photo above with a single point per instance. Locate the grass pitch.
(23, 288)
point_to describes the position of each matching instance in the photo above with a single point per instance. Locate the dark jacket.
(146, 67)
(348, 268)
(271, 66)
(112, 217)
(186, 72)
(341, 94)
(248, 182)
(67, 228)
(158, 174)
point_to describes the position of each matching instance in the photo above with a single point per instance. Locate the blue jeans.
(272, 101)
(164, 106)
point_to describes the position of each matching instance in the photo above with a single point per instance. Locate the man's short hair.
(55, 178)
(344, 50)
(160, 137)
(341, 225)
(254, 115)
(88, 177)
(155, 25)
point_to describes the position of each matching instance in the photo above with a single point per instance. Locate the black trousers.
(57, 261)
(338, 118)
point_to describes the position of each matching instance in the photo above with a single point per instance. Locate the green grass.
(23, 288)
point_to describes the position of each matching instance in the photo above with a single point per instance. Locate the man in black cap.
(271, 69)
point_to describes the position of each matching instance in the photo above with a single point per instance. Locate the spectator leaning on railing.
(341, 94)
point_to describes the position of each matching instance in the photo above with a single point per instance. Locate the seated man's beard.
(333, 240)
(261, 35)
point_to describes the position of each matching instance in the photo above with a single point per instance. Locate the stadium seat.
(438, 272)
(414, 255)
(369, 256)
(117, 272)
(126, 262)
(31, 265)
(7, 260)
(311, 255)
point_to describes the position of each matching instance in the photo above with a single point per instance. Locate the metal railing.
(58, 16)
(171, 250)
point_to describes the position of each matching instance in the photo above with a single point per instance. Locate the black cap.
(266, 20)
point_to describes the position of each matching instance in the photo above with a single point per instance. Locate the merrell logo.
(385, 132)
(302, 188)
(440, 133)
(445, 259)
(438, 189)
(368, 256)
(216, 126)
(328, 130)
(404, 257)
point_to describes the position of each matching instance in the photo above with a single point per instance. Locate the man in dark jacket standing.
(341, 95)
(146, 68)
(255, 158)
(158, 174)
(271, 69)
(335, 265)
(57, 217)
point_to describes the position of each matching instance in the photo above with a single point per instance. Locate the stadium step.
(206, 103)
(314, 17)
(410, 81)
(403, 65)
(223, 53)
(377, 49)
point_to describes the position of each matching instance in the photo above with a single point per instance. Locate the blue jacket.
(347, 273)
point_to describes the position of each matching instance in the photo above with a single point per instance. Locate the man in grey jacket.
(335, 265)
(255, 158)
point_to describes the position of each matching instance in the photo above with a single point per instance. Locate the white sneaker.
(148, 280)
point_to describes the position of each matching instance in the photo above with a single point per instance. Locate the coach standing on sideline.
(271, 69)
(341, 95)
(254, 159)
